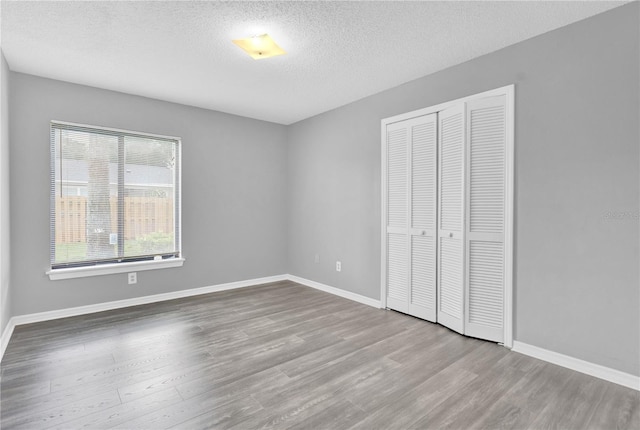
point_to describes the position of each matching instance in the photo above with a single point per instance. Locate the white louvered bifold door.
(397, 153)
(423, 191)
(485, 205)
(411, 216)
(451, 128)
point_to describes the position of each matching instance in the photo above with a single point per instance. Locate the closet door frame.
(509, 93)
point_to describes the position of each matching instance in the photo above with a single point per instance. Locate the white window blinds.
(114, 196)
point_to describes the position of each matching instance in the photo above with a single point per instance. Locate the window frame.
(126, 264)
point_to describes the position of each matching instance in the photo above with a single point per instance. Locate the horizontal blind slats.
(95, 173)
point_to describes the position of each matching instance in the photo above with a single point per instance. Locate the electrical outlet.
(316, 259)
(133, 277)
(338, 266)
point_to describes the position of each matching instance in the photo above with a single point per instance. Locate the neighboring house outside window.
(115, 198)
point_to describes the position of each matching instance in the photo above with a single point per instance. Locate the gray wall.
(577, 151)
(233, 183)
(5, 297)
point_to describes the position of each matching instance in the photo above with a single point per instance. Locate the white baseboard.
(6, 336)
(336, 291)
(602, 372)
(100, 307)
(576, 364)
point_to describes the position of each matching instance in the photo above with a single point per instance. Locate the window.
(115, 198)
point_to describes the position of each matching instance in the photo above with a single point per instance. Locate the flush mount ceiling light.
(259, 47)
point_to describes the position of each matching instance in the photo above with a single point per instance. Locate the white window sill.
(109, 269)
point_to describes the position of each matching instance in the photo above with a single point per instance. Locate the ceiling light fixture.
(259, 47)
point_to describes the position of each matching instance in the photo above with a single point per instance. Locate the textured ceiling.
(338, 52)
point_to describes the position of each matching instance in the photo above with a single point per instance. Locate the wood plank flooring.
(282, 355)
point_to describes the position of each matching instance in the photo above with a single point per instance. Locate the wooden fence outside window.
(143, 215)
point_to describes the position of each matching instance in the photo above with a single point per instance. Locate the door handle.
(450, 234)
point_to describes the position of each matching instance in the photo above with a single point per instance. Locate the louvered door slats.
(397, 177)
(397, 234)
(451, 150)
(450, 277)
(485, 227)
(423, 167)
(423, 275)
(423, 177)
(397, 267)
(486, 281)
(451, 127)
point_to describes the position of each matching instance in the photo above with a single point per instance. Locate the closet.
(447, 214)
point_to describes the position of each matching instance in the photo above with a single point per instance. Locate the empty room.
(320, 215)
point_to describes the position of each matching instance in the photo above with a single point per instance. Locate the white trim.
(572, 363)
(509, 206)
(336, 291)
(107, 306)
(118, 304)
(178, 198)
(110, 269)
(116, 130)
(442, 106)
(602, 372)
(383, 227)
(6, 336)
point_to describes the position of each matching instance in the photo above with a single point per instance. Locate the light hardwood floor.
(283, 355)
